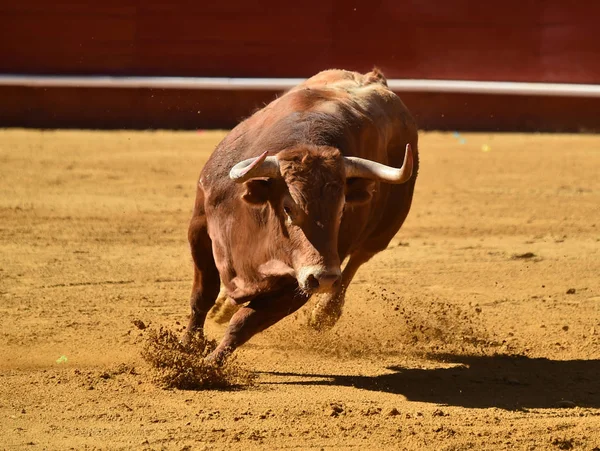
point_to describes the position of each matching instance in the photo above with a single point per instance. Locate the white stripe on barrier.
(277, 84)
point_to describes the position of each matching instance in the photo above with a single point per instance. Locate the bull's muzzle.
(313, 279)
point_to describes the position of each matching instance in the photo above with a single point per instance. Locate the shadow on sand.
(507, 382)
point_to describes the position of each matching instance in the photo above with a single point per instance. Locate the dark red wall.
(533, 40)
(189, 109)
(511, 40)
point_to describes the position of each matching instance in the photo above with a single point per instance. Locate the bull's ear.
(257, 191)
(359, 191)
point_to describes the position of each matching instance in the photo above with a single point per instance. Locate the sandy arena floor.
(478, 328)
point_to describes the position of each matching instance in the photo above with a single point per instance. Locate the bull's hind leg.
(329, 307)
(206, 276)
(224, 308)
(258, 315)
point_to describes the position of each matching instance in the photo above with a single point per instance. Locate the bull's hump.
(338, 98)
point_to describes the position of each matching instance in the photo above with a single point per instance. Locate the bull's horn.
(252, 168)
(368, 169)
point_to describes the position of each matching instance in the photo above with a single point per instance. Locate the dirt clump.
(183, 365)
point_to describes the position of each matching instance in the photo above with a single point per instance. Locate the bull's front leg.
(206, 276)
(258, 315)
(204, 293)
(329, 307)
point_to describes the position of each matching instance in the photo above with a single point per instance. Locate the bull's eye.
(289, 214)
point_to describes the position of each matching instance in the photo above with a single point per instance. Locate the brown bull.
(324, 173)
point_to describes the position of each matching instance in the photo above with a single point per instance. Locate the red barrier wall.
(513, 40)
(518, 40)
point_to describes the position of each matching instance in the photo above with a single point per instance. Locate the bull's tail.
(375, 76)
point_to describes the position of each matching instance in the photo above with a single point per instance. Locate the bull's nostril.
(318, 279)
(312, 283)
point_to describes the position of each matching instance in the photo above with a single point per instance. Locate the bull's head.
(308, 189)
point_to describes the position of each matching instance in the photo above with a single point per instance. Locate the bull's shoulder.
(332, 91)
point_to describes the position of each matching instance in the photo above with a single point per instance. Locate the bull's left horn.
(368, 169)
(252, 168)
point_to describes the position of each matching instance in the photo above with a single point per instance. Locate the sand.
(478, 328)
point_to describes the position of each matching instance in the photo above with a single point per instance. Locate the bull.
(322, 175)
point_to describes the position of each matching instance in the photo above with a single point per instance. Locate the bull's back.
(360, 107)
(327, 109)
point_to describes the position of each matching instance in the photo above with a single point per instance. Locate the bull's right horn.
(369, 169)
(252, 168)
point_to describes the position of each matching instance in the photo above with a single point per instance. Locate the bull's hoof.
(323, 318)
(218, 356)
(189, 335)
(186, 339)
